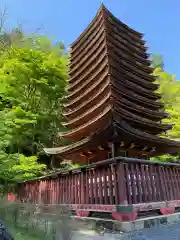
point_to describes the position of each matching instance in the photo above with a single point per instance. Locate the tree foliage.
(157, 61)
(170, 92)
(33, 78)
(169, 88)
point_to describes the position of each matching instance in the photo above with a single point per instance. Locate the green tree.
(157, 61)
(33, 79)
(15, 166)
(169, 88)
(170, 92)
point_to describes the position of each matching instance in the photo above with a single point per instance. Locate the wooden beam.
(112, 150)
(153, 149)
(122, 144)
(82, 155)
(100, 148)
(145, 148)
(89, 152)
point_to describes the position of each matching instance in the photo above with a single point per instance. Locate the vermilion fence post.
(105, 186)
(91, 186)
(175, 173)
(122, 187)
(95, 186)
(110, 184)
(133, 183)
(66, 201)
(48, 192)
(178, 177)
(144, 185)
(73, 188)
(76, 188)
(165, 178)
(100, 187)
(128, 185)
(173, 183)
(169, 183)
(138, 183)
(148, 183)
(153, 182)
(60, 190)
(69, 188)
(162, 184)
(79, 188)
(82, 187)
(87, 186)
(114, 172)
(126, 178)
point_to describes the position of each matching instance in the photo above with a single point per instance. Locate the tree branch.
(3, 15)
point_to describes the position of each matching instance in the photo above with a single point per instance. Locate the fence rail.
(119, 181)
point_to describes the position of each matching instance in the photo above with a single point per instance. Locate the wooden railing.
(143, 184)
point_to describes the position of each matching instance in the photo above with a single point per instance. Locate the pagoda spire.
(111, 94)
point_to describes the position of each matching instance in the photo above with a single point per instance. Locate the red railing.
(113, 182)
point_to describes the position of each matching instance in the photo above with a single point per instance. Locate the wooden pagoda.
(112, 108)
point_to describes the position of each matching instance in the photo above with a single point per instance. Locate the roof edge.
(101, 9)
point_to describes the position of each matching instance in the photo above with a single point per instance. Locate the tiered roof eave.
(121, 133)
(103, 9)
(111, 92)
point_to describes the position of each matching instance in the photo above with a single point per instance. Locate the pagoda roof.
(122, 131)
(125, 28)
(111, 92)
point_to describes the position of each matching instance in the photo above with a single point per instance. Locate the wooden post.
(112, 150)
(82, 191)
(121, 184)
(124, 210)
(82, 187)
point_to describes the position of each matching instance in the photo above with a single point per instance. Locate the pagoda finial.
(102, 6)
(103, 9)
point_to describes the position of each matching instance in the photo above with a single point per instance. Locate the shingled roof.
(112, 91)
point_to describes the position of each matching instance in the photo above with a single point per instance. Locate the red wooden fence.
(134, 184)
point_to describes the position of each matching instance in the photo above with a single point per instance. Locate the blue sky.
(65, 20)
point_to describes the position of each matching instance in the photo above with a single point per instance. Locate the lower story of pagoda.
(115, 139)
